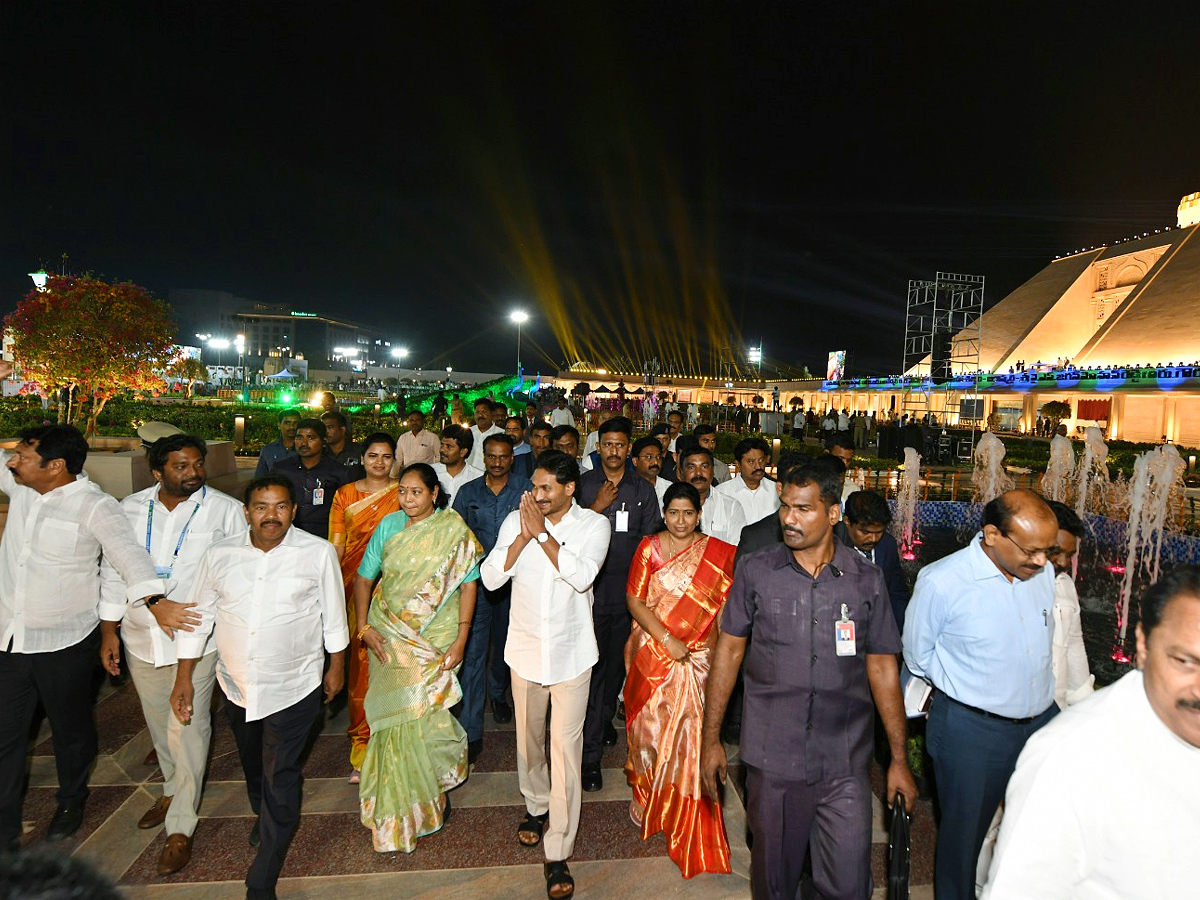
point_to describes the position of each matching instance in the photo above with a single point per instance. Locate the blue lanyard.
(182, 534)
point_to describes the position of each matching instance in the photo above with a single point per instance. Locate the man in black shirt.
(315, 475)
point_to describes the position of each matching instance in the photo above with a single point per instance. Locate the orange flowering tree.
(92, 338)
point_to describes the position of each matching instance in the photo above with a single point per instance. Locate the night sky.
(774, 171)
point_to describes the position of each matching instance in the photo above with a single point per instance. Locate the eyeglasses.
(1030, 554)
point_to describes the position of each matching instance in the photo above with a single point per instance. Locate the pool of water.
(1099, 593)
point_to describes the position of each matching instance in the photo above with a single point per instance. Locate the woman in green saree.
(417, 624)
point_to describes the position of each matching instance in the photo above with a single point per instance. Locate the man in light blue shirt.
(980, 628)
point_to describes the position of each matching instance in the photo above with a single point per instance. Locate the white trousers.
(182, 749)
(552, 785)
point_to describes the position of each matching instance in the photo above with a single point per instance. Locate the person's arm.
(183, 693)
(726, 661)
(364, 583)
(1080, 680)
(466, 611)
(132, 564)
(337, 520)
(499, 564)
(110, 647)
(737, 521)
(578, 565)
(922, 626)
(884, 677)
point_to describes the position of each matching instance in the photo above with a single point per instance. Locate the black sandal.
(557, 876)
(533, 825)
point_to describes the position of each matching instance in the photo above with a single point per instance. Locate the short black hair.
(499, 438)
(676, 412)
(619, 424)
(790, 460)
(1068, 519)
(379, 437)
(829, 463)
(520, 420)
(642, 443)
(64, 442)
(337, 415)
(425, 472)
(560, 430)
(828, 484)
(43, 875)
(563, 467)
(841, 439)
(314, 425)
(867, 508)
(685, 490)
(745, 445)
(461, 436)
(1181, 581)
(415, 411)
(660, 428)
(998, 514)
(483, 401)
(496, 404)
(262, 482)
(285, 413)
(157, 453)
(701, 430)
(541, 425)
(693, 449)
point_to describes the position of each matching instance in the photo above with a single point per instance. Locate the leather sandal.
(558, 876)
(532, 825)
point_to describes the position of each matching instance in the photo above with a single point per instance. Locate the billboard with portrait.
(836, 369)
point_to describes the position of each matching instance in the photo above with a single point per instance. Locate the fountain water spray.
(1057, 481)
(906, 504)
(1157, 478)
(988, 479)
(1091, 475)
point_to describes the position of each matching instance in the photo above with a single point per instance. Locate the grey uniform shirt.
(809, 713)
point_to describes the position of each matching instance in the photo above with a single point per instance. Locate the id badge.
(844, 634)
(163, 571)
(622, 520)
(318, 496)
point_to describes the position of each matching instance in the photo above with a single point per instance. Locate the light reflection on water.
(1098, 585)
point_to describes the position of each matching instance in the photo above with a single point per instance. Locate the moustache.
(269, 522)
(1193, 705)
(795, 531)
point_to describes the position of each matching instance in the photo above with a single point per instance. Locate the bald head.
(1020, 531)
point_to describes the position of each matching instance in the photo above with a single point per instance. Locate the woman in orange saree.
(677, 587)
(356, 511)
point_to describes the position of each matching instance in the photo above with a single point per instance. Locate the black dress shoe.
(256, 834)
(593, 779)
(65, 823)
(474, 748)
(501, 712)
(610, 735)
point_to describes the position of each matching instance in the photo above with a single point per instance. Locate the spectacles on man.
(1029, 554)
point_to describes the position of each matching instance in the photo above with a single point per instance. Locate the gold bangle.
(465, 622)
(361, 632)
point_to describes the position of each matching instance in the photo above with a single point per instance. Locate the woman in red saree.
(356, 511)
(677, 587)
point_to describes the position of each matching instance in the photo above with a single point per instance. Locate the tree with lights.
(92, 339)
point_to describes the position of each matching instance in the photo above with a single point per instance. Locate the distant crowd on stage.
(574, 584)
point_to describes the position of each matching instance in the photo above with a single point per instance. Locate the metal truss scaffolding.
(943, 334)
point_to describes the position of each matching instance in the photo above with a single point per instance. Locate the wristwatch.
(543, 537)
(150, 601)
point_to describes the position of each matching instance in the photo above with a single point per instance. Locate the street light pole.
(519, 317)
(240, 343)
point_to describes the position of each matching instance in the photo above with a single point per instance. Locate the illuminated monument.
(1113, 331)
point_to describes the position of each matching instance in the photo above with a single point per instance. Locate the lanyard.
(182, 534)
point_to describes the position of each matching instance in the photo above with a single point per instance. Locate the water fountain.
(988, 479)
(905, 523)
(1156, 483)
(1056, 483)
(1091, 474)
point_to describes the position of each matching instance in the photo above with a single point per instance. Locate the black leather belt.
(990, 715)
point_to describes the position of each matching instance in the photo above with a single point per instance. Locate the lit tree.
(189, 370)
(91, 338)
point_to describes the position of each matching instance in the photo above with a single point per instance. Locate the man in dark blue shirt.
(484, 503)
(864, 527)
(315, 475)
(283, 448)
(631, 506)
(822, 660)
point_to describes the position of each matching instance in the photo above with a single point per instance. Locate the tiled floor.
(475, 857)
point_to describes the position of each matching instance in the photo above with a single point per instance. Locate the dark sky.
(778, 169)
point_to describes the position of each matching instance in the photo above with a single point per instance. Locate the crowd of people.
(570, 583)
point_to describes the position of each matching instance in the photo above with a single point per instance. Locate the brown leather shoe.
(175, 855)
(155, 815)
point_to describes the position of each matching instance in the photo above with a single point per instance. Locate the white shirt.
(50, 562)
(451, 483)
(722, 517)
(188, 529)
(476, 457)
(660, 488)
(755, 504)
(561, 417)
(417, 448)
(1072, 678)
(1066, 835)
(550, 633)
(591, 442)
(272, 614)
